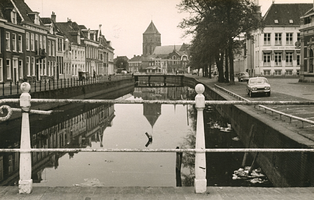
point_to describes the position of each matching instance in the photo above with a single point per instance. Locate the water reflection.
(123, 126)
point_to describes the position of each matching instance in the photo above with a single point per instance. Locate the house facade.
(307, 46)
(23, 43)
(35, 49)
(276, 49)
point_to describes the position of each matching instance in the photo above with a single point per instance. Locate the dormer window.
(276, 21)
(34, 16)
(36, 19)
(13, 16)
(291, 21)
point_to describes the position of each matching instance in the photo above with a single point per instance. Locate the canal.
(124, 126)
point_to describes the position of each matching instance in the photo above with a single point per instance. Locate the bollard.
(25, 182)
(200, 181)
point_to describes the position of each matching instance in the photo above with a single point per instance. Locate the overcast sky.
(125, 21)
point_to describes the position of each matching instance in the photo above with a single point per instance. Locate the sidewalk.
(162, 193)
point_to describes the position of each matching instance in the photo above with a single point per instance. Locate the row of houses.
(39, 48)
(283, 47)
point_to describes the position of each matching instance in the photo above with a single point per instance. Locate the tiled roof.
(69, 29)
(24, 10)
(46, 20)
(285, 14)
(165, 50)
(151, 29)
(136, 58)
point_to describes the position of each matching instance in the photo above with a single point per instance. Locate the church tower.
(151, 39)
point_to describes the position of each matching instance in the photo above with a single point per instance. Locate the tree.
(121, 63)
(218, 23)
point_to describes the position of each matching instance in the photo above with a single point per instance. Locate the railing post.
(200, 181)
(25, 182)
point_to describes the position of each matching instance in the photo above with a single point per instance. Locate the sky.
(124, 21)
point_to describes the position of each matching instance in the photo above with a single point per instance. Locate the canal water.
(124, 126)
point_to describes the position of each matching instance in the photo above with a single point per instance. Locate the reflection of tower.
(152, 112)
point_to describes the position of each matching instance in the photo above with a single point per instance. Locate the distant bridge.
(158, 80)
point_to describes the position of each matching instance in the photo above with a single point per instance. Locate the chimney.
(53, 16)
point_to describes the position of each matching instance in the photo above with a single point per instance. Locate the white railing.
(200, 181)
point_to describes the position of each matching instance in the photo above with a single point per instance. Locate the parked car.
(258, 85)
(195, 72)
(243, 76)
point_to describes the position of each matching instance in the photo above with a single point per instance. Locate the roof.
(46, 20)
(136, 58)
(285, 14)
(24, 10)
(151, 29)
(165, 50)
(70, 29)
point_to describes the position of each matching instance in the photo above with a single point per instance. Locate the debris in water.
(256, 176)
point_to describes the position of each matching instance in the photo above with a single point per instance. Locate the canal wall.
(85, 91)
(283, 169)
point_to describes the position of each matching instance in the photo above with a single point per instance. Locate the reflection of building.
(77, 127)
(152, 112)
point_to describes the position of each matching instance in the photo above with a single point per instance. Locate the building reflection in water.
(76, 127)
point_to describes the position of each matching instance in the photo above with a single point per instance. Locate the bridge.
(142, 80)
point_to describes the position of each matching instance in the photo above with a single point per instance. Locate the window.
(44, 66)
(7, 39)
(49, 48)
(1, 70)
(13, 42)
(298, 37)
(40, 41)
(9, 69)
(266, 58)
(277, 72)
(289, 72)
(33, 66)
(36, 43)
(52, 48)
(27, 40)
(266, 38)
(289, 58)
(20, 69)
(277, 38)
(278, 58)
(32, 42)
(298, 59)
(59, 45)
(28, 65)
(13, 17)
(44, 42)
(267, 72)
(289, 38)
(20, 43)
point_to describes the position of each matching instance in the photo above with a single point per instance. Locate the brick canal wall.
(85, 91)
(283, 169)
